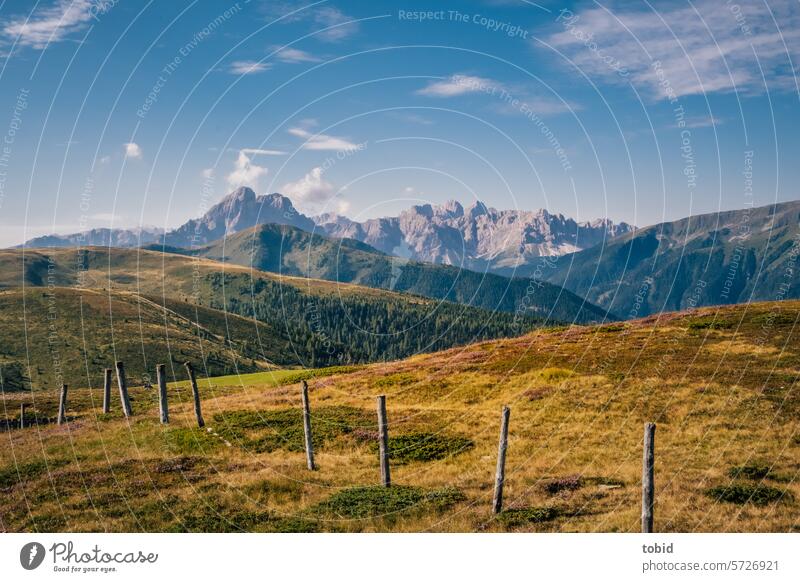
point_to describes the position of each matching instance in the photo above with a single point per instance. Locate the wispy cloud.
(293, 55)
(245, 172)
(457, 85)
(506, 99)
(49, 24)
(687, 49)
(262, 152)
(339, 26)
(320, 141)
(248, 67)
(333, 24)
(132, 150)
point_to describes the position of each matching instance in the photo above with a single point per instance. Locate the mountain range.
(729, 257)
(477, 238)
(725, 257)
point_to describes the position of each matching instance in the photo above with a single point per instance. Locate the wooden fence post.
(500, 473)
(383, 442)
(196, 393)
(307, 427)
(22, 407)
(161, 375)
(62, 405)
(123, 390)
(648, 487)
(107, 390)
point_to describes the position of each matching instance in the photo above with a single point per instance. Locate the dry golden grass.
(723, 394)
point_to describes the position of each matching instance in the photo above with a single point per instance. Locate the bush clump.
(569, 483)
(524, 515)
(264, 431)
(366, 502)
(699, 324)
(752, 471)
(744, 493)
(425, 446)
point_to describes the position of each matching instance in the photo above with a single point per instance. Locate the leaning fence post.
(307, 427)
(22, 407)
(107, 390)
(383, 442)
(196, 393)
(62, 405)
(500, 473)
(161, 374)
(648, 488)
(123, 390)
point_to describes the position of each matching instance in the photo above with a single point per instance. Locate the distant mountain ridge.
(98, 237)
(478, 237)
(239, 210)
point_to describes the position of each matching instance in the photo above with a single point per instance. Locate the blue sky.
(134, 113)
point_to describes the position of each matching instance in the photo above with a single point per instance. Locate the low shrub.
(535, 394)
(366, 502)
(699, 324)
(569, 483)
(744, 493)
(425, 446)
(750, 471)
(524, 515)
(263, 431)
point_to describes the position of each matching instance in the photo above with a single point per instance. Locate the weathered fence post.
(307, 428)
(62, 405)
(196, 393)
(107, 390)
(383, 442)
(123, 390)
(648, 487)
(22, 408)
(161, 374)
(500, 473)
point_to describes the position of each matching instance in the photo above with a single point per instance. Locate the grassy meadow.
(721, 384)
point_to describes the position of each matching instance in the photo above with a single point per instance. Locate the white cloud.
(245, 172)
(311, 191)
(342, 207)
(260, 152)
(506, 99)
(340, 26)
(320, 141)
(50, 24)
(132, 150)
(248, 67)
(293, 55)
(705, 46)
(459, 85)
